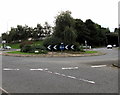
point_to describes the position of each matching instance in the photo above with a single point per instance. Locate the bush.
(51, 41)
(40, 47)
(27, 48)
(32, 49)
(26, 43)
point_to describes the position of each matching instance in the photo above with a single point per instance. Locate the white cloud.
(31, 12)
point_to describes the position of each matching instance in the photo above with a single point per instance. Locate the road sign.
(66, 47)
(62, 46)
(49, 47)
(55, 47)
(72, 47)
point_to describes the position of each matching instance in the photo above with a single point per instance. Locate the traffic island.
(53, 54)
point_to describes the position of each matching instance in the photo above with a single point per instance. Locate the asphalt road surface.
(93, 74)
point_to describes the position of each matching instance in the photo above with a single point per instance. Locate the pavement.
(91, 74)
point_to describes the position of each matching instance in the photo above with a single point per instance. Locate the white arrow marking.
(55, 47)
(49, 47)
(72, 47)
(97, 66)
(66, 46)
(9, 69)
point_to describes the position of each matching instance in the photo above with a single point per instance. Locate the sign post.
(3, 43)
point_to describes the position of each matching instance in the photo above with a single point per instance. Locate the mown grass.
(17, 45)
(19, 52)
(86, 52)
(14, 46)
(90, 52)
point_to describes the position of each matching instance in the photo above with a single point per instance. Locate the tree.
(38, 31)
(64, 27)
(81, 31)
(47, 30)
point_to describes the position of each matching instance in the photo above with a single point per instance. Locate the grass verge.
(19, 52)
(86, 52)
(91, 52)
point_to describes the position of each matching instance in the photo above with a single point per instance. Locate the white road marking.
(10, 69)
(87, 81)
(57, 73)
(97, 66)
(46, 70)
(63, 75)
(49, 72)
(72, 77)
(69, 68)
(36, 69)
(39, 69)
(3, 90)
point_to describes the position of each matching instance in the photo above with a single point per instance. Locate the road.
(93, 74)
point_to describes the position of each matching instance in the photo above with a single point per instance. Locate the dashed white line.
(72, 77)
(69, 68)
(57, 73)
(49, 72)
(86, 81)
(36, 69)
(39, 69)
(63, 75)
(10, 69)
(98, 66)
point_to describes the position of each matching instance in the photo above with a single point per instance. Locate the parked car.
(109, 46)
(8, 47)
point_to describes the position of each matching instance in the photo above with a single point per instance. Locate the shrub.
(51, 41)
(40, 47)
(32, 49)
(27, 48)
(26, 43)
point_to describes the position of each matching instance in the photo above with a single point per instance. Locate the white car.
(8, 47)
(109, 46)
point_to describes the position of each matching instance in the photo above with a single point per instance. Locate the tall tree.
(64, 25)
(82, 31)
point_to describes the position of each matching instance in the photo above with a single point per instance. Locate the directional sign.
(49, 47)
(66, 47)
(55, 47)
(62, 47)
(72, 47)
